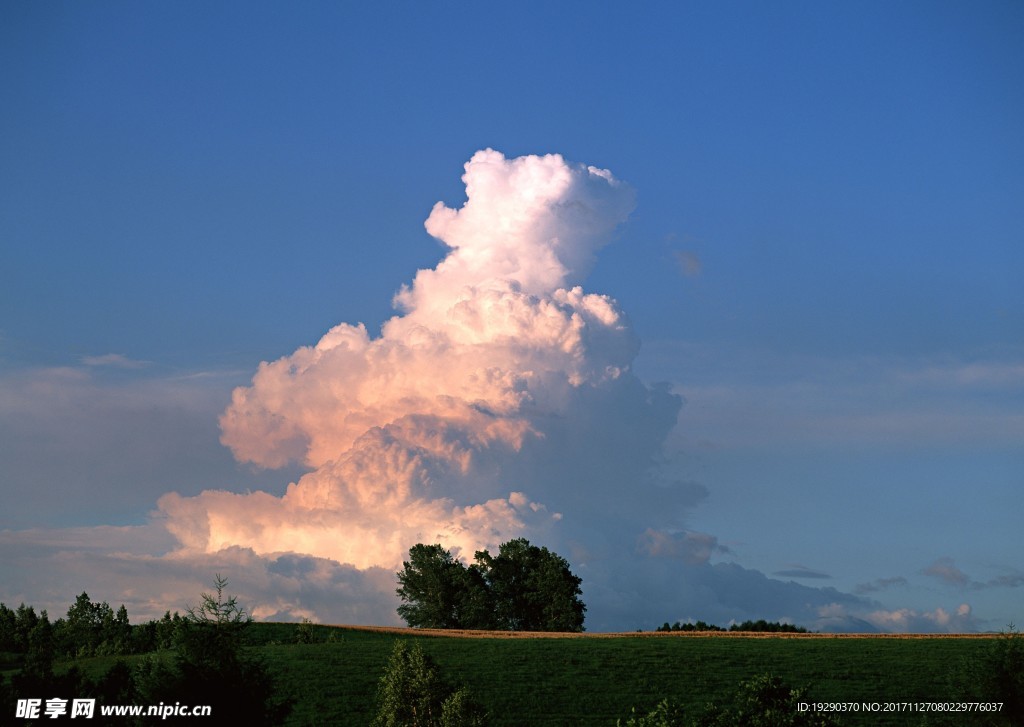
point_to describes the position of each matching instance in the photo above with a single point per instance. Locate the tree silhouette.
(523, 588)
(439, 592)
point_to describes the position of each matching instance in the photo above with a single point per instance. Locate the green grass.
(595, 681)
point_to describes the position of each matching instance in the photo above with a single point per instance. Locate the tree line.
(209, 662)
(88, 629)
(759, 626)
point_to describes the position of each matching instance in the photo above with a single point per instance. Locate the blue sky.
(825, 261)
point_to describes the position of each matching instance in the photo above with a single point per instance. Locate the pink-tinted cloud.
(408, 433)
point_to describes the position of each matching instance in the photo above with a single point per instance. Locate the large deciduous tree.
(439, 592)
(533, 588)
(523, 588)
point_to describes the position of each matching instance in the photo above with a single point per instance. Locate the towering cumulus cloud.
(499, 401)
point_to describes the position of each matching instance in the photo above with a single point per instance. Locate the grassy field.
(595, 680)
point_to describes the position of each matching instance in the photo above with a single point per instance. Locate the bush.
(764, 701)
(412, 693)
(666, 714)
(996, 675)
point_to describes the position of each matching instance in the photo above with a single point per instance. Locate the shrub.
(412, 693)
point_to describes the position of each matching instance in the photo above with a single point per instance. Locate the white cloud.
(957, 620)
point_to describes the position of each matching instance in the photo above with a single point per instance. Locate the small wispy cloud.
(114, 360)
(689, 263)
(944, 570)
(749, 396)
(1014, 580)
(967, 374)
(795, 570)
(879, 584)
